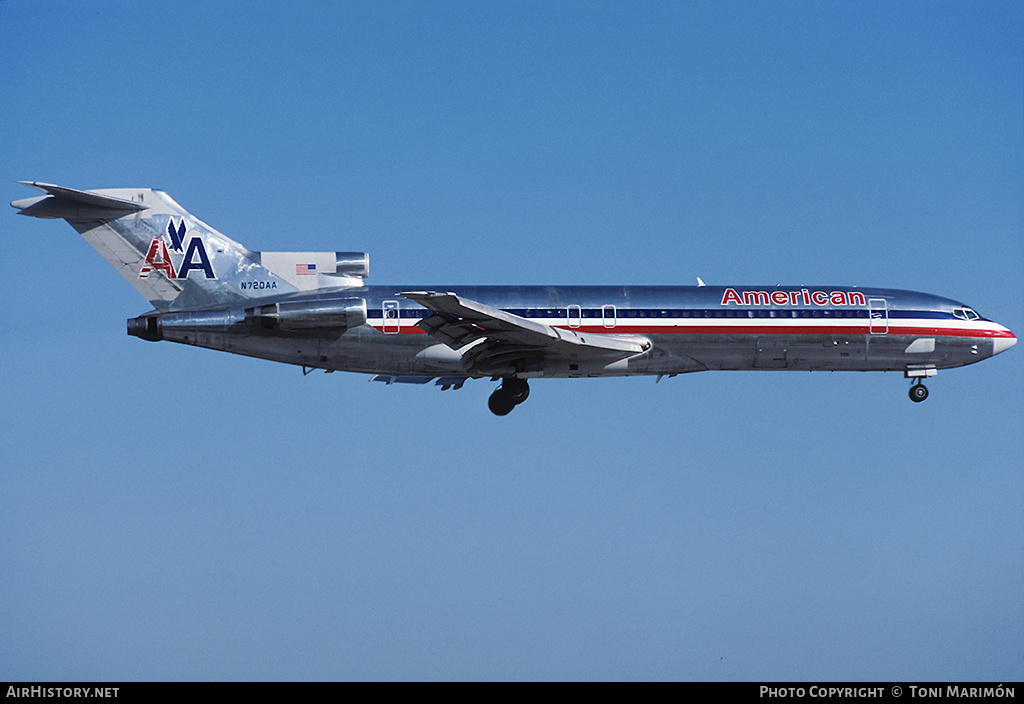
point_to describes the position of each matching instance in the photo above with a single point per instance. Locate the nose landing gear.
(510, 394)
(918, 392)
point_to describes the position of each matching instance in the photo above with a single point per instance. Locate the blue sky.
(174, 513)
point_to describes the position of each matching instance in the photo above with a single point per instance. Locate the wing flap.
(445, 382)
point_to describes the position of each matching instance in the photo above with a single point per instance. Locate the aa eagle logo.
(158, 258)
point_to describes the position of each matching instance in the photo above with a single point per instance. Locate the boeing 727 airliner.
(313, 309)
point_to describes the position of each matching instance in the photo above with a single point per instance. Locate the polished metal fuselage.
(313, 309)
(691, 328)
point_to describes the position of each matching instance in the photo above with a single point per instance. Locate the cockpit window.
(965, 314)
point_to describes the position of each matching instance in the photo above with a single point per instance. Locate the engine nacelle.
(205, 328)
(303, 316)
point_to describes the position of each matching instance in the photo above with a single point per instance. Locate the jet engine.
(295, 317)
(304, 316)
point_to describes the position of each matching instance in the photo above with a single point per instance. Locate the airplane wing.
(499, 342)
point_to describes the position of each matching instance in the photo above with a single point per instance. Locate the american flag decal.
(305, 269)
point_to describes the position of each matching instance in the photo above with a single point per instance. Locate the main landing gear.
(918, 392)
(510, 394)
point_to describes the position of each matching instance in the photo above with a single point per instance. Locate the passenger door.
(878, 313)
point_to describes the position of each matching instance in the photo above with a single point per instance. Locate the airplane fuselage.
(691, 328)
(313, 309)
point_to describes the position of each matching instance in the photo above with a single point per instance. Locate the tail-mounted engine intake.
(355, 264)
(302, 316)
(307, 271)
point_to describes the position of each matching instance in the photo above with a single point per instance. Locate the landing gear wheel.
(501, 402)
(517, 389)
(918, 393)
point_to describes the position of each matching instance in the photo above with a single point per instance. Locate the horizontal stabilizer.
(65, 202)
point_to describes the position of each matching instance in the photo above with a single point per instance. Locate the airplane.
(313, 309)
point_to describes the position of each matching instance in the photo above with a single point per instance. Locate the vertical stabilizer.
(172, 258)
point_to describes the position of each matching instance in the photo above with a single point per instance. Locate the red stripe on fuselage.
(676, 329)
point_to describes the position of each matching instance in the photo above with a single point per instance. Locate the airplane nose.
(1001, 344)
